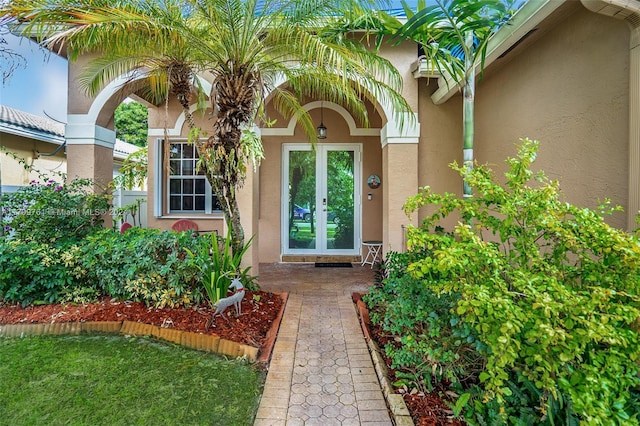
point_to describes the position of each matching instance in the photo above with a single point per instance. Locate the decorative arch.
(354, 130)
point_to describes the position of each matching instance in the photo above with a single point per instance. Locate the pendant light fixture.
(322, 130)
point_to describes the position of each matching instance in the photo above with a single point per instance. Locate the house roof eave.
(532, 13)
(31, 133)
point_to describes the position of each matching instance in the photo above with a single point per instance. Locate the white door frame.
(321, 193)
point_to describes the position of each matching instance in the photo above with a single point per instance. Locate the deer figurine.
(235, 299)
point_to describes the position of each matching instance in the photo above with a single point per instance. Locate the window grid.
(189, 190)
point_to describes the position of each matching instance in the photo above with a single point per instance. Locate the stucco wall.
(440, 141)
(402, 57)
(271, 178)
(159, 118)
(14, 173)
(569, 90)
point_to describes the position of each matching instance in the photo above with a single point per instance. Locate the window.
(189, 190)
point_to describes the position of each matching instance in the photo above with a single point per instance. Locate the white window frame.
(163, 187)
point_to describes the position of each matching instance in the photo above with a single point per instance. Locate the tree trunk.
(467, 113)
(237, 231)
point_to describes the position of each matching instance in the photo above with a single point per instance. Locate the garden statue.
(235, 299)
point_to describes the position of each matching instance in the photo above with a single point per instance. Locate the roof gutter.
(524, 20)
(629, 10)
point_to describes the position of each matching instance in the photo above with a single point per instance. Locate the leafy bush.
(544, 292)
(44, 225)
(417, 315)
(144, 264)
(52, 212)
(35, 272)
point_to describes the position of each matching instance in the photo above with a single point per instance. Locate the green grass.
(115, 380)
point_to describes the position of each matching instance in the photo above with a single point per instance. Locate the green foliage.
(143, 264)
(544, 292)
(133, 172)
(131, 121)
(51, 212)
(417, 316)
(37, 272)
(44, 225)
(442, 28)
(219, 265)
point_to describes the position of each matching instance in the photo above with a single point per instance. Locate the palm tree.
(242, 47)
(454, 35)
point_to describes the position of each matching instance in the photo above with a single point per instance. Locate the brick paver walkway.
(321, 372)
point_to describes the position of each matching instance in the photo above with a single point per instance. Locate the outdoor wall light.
(322, 130)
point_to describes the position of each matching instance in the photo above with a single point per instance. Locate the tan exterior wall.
(399, 166)
(13, 172)
(90, 161)
(402, 57)
(569, 90)
(440, 144)
(78, 101)
(271, 178)
(160, 118)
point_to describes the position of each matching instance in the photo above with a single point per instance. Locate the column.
(400, 174)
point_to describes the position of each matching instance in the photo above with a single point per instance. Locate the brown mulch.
(258, 314)
(426, 409)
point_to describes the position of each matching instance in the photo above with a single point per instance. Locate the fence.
(133, 205)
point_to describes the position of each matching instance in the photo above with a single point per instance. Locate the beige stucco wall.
(79, 102)
(440, 144)
(569, 90)
(159, 119)
(271, 178)
(402, 56)
(14, 173)
(91, 161)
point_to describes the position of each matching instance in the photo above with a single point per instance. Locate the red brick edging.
(203, 342)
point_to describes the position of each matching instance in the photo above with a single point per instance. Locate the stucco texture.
(568, 90)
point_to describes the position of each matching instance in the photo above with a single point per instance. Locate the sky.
(40, 88)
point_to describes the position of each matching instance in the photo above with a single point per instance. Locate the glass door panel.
(321, 187)
(302, 198)
(339, 209)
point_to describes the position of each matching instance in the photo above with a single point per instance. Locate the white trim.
(393, 133)
(354, 130)
(105, 94)
(157, 179)
(80, 130)
(29, 133)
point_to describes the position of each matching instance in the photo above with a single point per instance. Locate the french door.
(321, 199)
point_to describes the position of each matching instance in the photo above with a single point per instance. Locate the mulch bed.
(426, 409)
(258, 314)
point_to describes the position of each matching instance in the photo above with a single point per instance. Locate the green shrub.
(416, 315)
(51, 212)
(36, 272)
(545, 292)
(218, 265)
(145, 265)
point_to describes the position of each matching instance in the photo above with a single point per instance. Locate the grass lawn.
(115, 380)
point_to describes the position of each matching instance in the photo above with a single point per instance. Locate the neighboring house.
(40, 142)
(564, 72)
